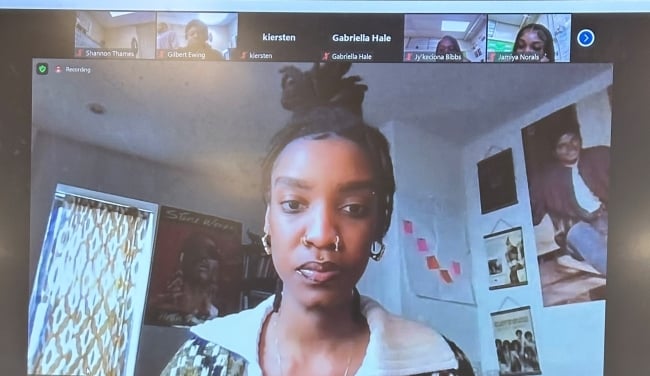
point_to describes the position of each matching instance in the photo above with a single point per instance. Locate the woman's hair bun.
(321, 86)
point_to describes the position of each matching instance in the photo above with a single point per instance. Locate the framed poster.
(505, 258)
(496, 181)
(569, 205)
(515, 343)
(197, 266)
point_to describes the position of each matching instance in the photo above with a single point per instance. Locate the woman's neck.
(318, 326)
(196, 289)
(299, 340)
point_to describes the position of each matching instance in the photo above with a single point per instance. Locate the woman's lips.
(319, 272)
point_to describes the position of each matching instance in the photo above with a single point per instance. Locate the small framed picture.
(496, 181)
(515, 342)
(505, 259)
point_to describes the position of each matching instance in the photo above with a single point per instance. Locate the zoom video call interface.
(146, 208)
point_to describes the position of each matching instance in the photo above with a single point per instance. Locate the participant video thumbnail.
(196, 36)
(115, 35)
(529, 38)
(448, 38)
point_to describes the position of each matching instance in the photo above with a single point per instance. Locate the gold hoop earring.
(377, 255)
(266, 244)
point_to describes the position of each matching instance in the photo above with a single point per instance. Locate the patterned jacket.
(228, 346)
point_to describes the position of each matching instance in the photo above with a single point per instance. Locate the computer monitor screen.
(189, 176)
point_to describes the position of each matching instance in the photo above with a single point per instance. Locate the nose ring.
(337, 242)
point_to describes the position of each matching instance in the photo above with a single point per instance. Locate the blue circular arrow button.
(586, 38)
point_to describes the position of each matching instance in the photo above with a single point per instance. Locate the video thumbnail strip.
(414, 38)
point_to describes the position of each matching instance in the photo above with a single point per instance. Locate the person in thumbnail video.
(574, 192)
(328, 186)
(535, 40)
(166, 38)
(449, 45)
(197, 35)
(189, 296)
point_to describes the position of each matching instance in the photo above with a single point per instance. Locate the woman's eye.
(355, 210)
(291, 206)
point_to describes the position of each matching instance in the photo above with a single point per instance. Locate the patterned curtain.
(83, 304)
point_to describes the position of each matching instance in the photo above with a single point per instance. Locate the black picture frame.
(496, 180)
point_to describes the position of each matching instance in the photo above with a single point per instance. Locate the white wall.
(146, 40)
(570, 338)
(425, 166)
(145, 34)
(58, 160)
(221, 37)
(381, 281)
(120, 37)
(595, 114)
(96, 31)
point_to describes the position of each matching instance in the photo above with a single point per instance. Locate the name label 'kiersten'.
(268, 37)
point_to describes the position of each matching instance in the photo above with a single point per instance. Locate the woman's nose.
(322, 230)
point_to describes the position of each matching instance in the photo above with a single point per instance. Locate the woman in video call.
(536, 41)
(449, 45)
(328, 185)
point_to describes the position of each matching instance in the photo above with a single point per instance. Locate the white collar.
(396, 346)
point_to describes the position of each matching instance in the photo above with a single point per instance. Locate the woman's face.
(446, 46)
(206, 268)
(530, 43)
(567, 148)
(201, 263)
(321, 189)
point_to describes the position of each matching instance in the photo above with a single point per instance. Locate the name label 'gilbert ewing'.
(269, 37)
(362, 38)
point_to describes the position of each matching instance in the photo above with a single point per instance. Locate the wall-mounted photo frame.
(571, 247)
(515, 342)
(496, 181)
(505, 259)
